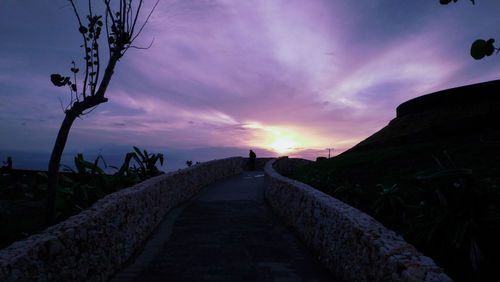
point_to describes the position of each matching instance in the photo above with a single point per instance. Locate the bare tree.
(121, 25)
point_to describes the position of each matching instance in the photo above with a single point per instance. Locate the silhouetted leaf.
(58, 80)
(138, 152)
(489, 47)
(73, 87)
(66, 80)
(446, 2)
(82, 29)
(111, 40)
(477, 49)
(99, 23)
(55, 78)
(481, 48)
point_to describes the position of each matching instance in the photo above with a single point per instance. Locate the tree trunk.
(55, 160)
(77, 109)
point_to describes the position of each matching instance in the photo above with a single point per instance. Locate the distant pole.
(329, 151)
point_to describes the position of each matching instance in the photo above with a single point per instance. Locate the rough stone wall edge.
(92, 245)
(363, 250)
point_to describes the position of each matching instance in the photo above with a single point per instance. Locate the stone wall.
(353, 245)
(92, 245)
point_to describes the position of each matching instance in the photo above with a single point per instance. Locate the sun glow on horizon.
(279, 139)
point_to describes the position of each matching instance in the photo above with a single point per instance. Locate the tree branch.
(145, 22)
(143, 48)
(85, 46)
(137, 16)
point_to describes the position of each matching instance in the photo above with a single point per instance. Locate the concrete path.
(225, 233)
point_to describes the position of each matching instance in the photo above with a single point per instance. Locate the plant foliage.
(450, 213)
(480, 48)
(80, 186)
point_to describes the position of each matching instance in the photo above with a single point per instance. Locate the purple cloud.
(295, 77)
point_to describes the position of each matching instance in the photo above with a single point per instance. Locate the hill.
(460, 112)
(453, 128)
(432, 175)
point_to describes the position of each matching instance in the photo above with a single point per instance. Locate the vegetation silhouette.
(147, 163)
(432, 175)
(81, 185)
(121, 25)
(7, 165)
(480, 48)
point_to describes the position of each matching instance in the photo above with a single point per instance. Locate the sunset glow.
(276, 139)
(282, 77)
(282, 139)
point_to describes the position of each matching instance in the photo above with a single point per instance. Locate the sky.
(281, 77)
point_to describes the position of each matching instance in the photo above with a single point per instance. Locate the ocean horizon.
(173, 159)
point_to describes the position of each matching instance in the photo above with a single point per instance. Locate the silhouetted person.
(8, 165)
(251, 160)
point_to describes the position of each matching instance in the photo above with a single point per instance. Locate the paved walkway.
(225, 233)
